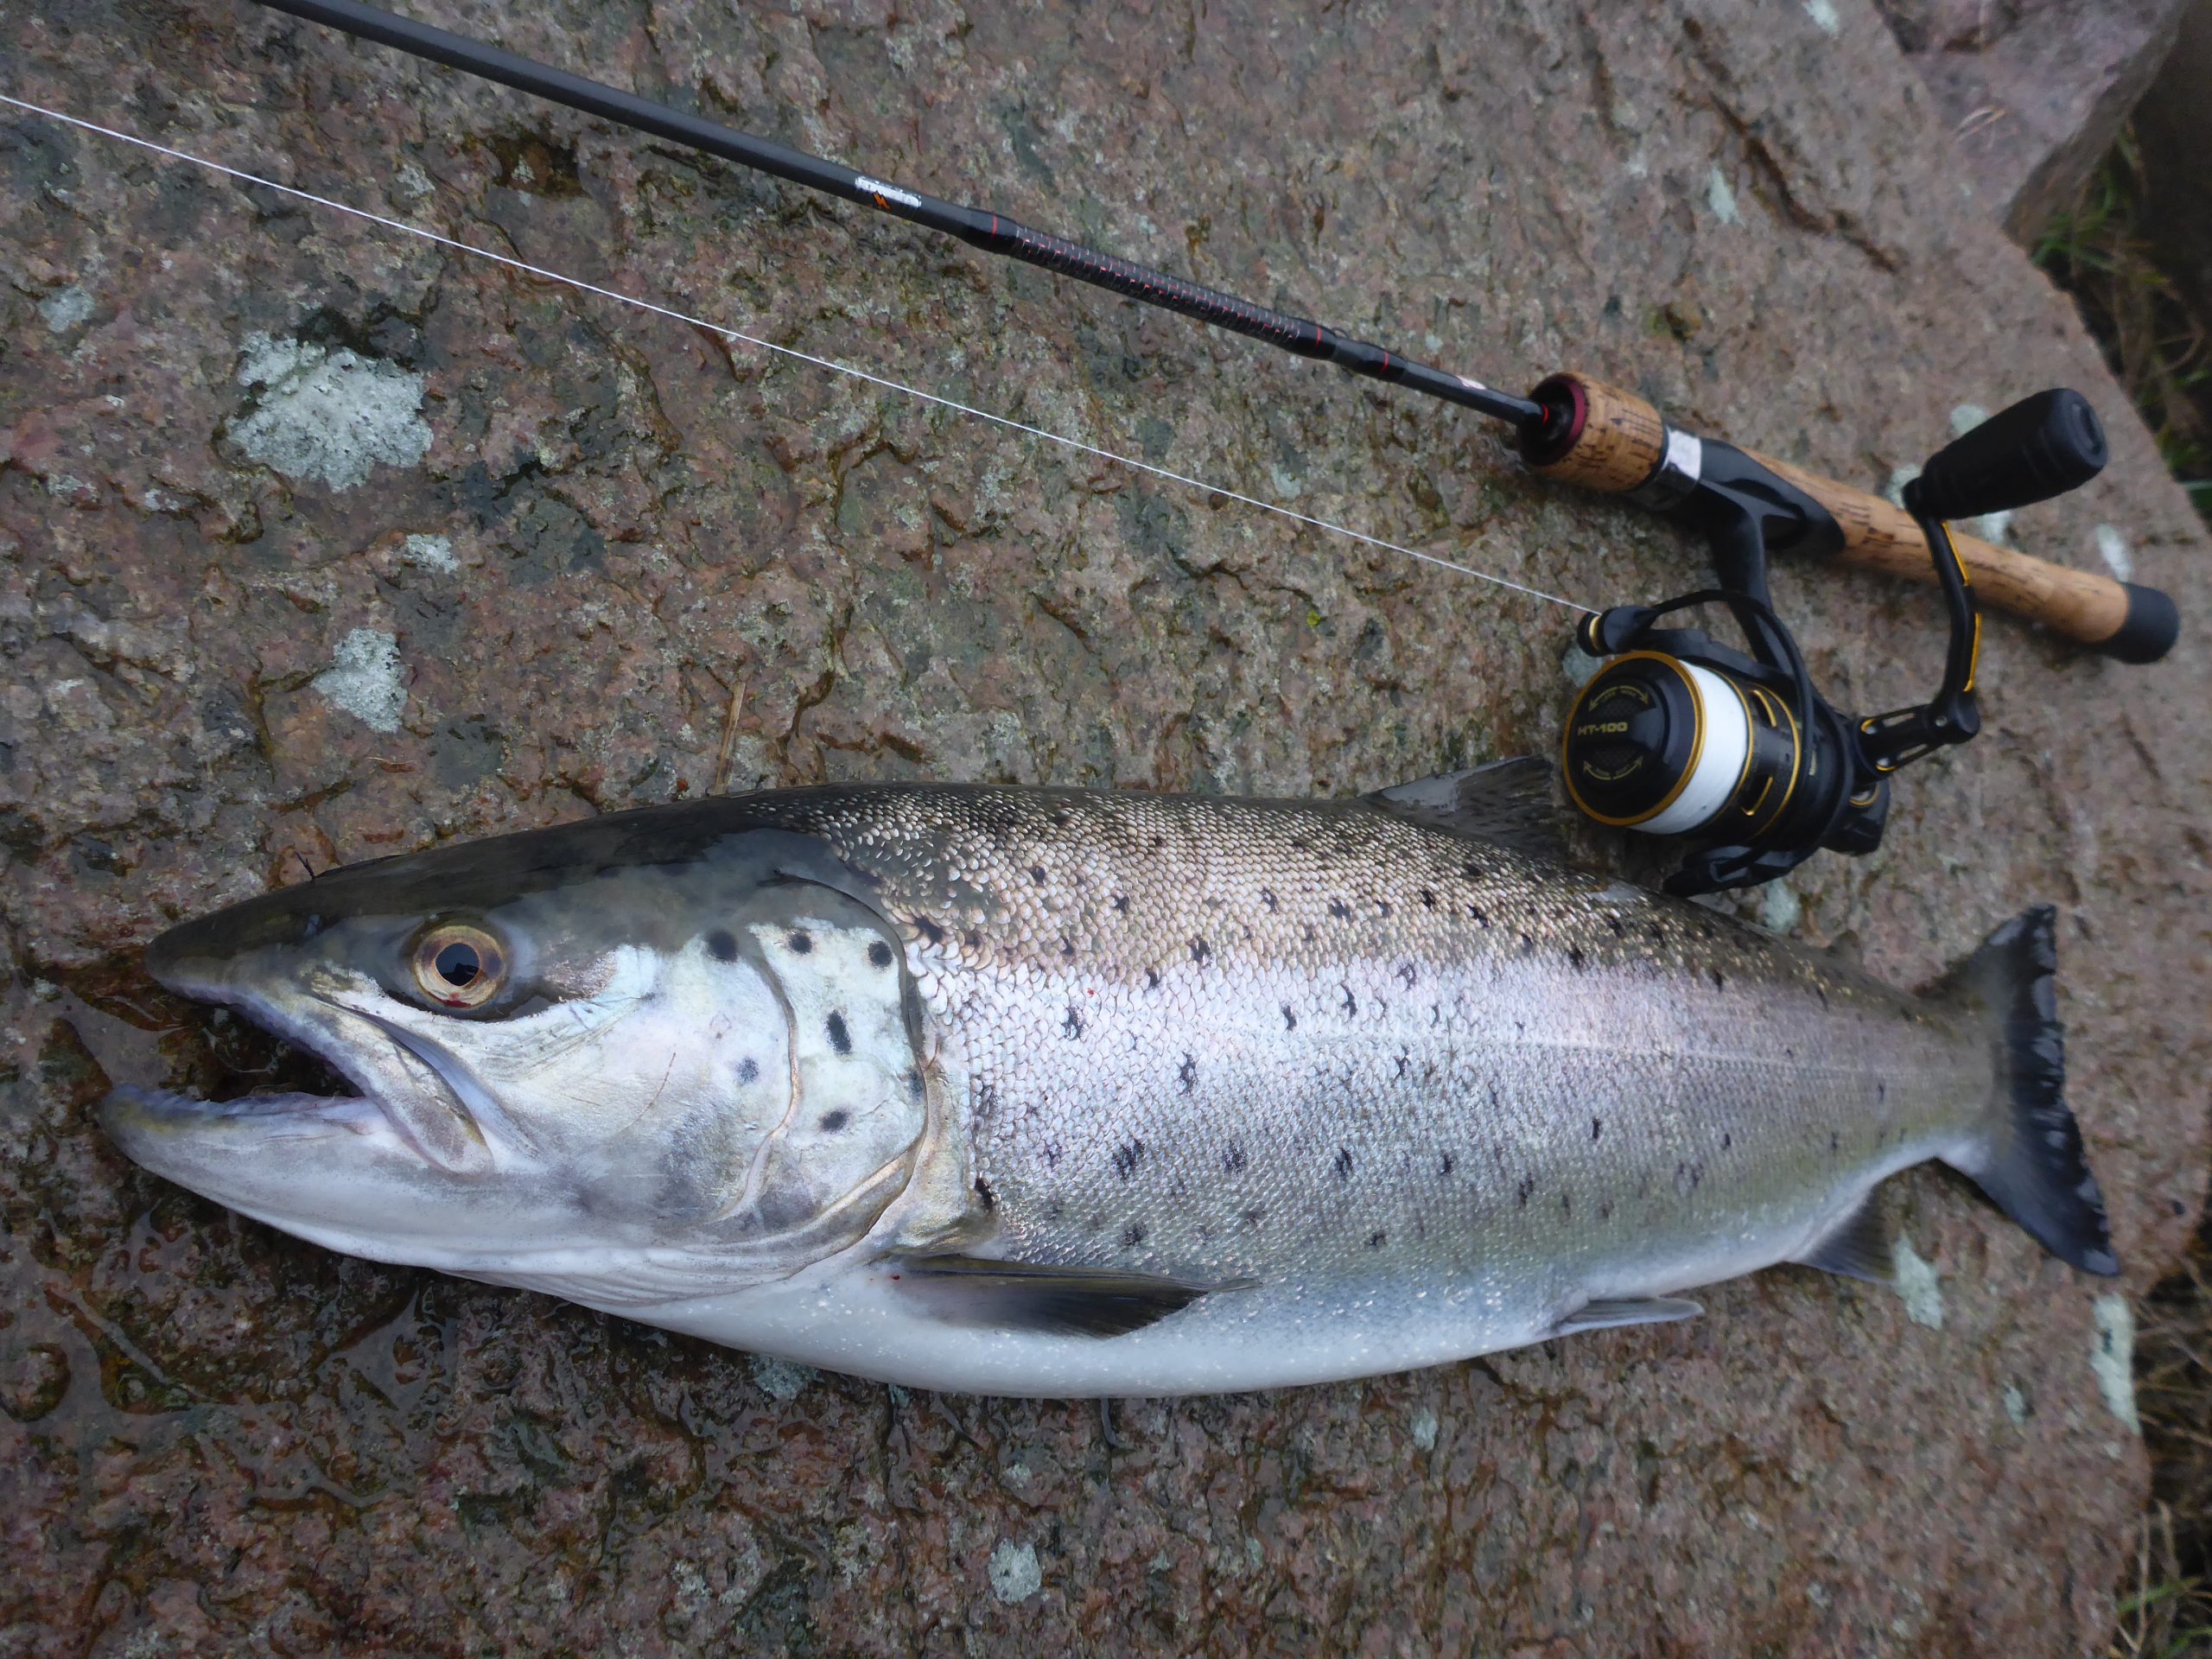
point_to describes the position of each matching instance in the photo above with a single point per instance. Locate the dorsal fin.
(1508, 802)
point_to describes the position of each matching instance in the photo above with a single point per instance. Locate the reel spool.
(1735, 750)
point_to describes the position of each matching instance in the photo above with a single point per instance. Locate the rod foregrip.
(1604, 438)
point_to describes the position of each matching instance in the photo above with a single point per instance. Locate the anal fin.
(1055, 1301)
(1602, 1313)
(1860, 1246)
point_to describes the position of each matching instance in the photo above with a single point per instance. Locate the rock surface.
(226, 657)
(2174, 124)
(2035, 91)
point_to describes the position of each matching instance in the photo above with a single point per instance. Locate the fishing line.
(580, 285)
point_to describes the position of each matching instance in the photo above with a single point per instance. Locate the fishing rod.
(1733, 751)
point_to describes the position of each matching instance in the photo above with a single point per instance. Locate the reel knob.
(2040, 447)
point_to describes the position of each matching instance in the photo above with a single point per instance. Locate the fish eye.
(458, 966)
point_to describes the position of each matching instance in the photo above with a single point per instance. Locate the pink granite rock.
(251, 617)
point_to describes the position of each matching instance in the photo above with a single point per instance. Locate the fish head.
(562, 1058)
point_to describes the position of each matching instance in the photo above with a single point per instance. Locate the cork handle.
(1604, 438)
(1879, 535)
(1601, 437)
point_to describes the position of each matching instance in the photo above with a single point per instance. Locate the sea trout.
(1036, 1091)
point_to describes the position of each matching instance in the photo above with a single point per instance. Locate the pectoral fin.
(1607, 1312)
(1058, 1300)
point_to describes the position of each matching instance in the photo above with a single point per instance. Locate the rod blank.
(979, 227)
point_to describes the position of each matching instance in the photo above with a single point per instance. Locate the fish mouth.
(404, 1097)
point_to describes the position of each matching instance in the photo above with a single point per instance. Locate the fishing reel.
(1735, 750)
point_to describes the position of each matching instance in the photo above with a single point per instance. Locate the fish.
(1060, 1092)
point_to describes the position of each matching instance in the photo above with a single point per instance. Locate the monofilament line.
(741, 337)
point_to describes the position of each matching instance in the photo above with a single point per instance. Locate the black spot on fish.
(1527, 944)
(1597, 1127)
(986, 1098)
(1566, 1204)
(1121, 903)
(1155, 843)
(1382, 907)
(1060, 816)
(833, 1122)
(1301, 842)
(748, 1071)
(929, 929)
(1351, 1002)
(1267, 897)
(1188, 1074)
(1339, 909)
(1289, 1019)
(879, 954)
(1375, 1239)
(1657, 932)
(1306, 930)
(1606, 1210)
(800, 941)
(1067, 945)
(1575, 958)
(973, 938)
(1720, 980)
(1615, 923)
(1233, 1160)
(1072, 1026)
(1255, 1216)
(1405, 1063)
(1478, 915)
(1427, 900)
(1727, 1139)
(1132, 1236)
(1444, 1165)
(1052, 1155)
(1200, 951)
(1127, 1158)
(840, 1039)
(1152, 978)
(984, 1191)
(1521, 1192)
(722, 945)
(1343, 1164)
(1835, 1140)
(1471, 871)
(1037, 874)
(1407, 975)
(1881, 1092)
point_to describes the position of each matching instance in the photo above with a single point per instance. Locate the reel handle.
(1607, 439)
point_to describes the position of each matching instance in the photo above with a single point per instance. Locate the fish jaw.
(391, 1160)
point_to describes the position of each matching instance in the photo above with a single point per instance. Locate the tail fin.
(2028, 1157)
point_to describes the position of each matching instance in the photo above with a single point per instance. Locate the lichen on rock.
(328, 415)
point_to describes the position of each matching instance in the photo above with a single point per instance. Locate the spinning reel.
(1734, 750)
